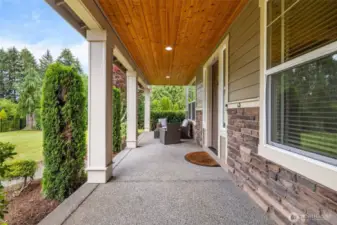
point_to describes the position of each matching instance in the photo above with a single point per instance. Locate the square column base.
(99, 175)
(131, 144)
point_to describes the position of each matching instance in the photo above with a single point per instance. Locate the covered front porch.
(154, 184)
(156, 43)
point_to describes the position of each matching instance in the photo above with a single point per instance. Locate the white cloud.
(36, 16)
(80, 50)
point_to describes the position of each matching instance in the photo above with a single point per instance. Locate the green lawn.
(28, 143)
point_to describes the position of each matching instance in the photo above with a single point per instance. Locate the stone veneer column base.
(286, 196)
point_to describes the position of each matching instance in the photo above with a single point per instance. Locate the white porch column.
(147, 109)
(131, 103)
(99, 163)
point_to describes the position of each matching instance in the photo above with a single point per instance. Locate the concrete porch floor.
(153, 184)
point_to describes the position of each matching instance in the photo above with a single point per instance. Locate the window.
(302, 94)
(191, 101)
(295, 27)
(304, 108)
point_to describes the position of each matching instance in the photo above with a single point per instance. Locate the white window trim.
(313, 169)
(245, 103)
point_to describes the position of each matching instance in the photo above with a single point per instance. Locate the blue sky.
(35, 25)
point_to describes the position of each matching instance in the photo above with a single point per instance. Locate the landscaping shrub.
(140, 111)
(123, 129)
(6, 152)
(16, 123)
(21, 169)
(63, 122)
(172, 117)
(116, 120)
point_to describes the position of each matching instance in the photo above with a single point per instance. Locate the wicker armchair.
(170, 134)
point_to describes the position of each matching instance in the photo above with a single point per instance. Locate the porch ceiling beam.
(59, 2)
(83, 13)
(63, 10)
(117, 53)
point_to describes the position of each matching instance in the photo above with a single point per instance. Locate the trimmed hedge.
(172, 117)
(12, 124)
(21, 169)
(63, 121)
(116, 120)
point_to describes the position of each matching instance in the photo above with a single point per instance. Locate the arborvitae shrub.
(116, 120)
(63, 120)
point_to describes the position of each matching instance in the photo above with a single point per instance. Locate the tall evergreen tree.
(45, 61)
(15, 73)
(67, 58)
(3, 73)
(30, 92)
(28, 60)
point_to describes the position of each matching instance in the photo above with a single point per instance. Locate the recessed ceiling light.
(167, 77)
(168, 48)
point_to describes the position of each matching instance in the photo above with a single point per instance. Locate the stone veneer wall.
(279, 191)
(197, 129)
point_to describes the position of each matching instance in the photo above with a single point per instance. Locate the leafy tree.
(30, 95)
(45, 61)
(165, 104)
(176, 94)
(9, 106)
(155, 105)
(15, 74)
(6, 152)
(3, 115)
(67, 58)
(64, 142)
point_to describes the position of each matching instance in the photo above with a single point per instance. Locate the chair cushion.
(163, 122)
(185, 123)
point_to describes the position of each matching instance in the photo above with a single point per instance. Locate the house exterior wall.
(277, 190)
(244, 45)
(282, 193)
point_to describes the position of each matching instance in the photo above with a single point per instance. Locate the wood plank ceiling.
(192, 27)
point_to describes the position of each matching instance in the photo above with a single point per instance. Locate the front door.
(215, 124)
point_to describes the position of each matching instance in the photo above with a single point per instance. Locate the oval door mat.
(201, 159)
